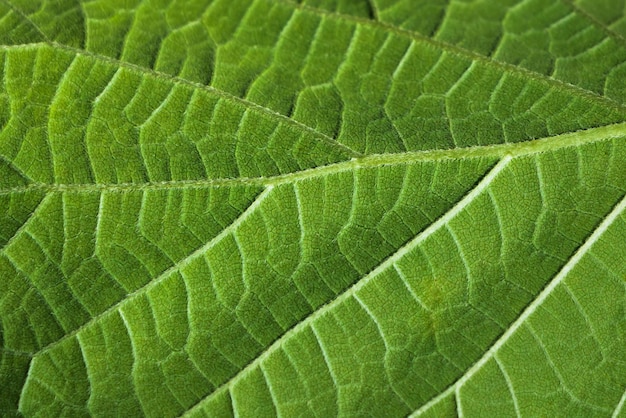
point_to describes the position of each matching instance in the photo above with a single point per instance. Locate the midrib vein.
(346, 294)
(530, 309)
(458, 51)
(167, 273)
(518, 149)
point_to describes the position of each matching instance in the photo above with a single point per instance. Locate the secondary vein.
(595, 21)
(387, 263)
(210, 89)
(167, 273)
(457, 51)
(530, 309)
(518, 149)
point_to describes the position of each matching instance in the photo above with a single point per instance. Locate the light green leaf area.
(320, 208)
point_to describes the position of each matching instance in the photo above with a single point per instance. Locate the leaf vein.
(531, 308)
(518, 149)
(210, 89)
(610, 32)
(460, 52)
(387, 263)
(27, 19)
(154, 282)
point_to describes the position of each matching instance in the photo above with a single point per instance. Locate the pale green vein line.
(459, 52)
(24, 47)
(348, 293)
(99, 222)
(328, 363)
(509, 385)
(518, 149)
(210, 89)
(380, 331)
(610, 32)
(459, 407)
(27, 19)
(268, 382)
(296, 190)
(331, 372)
(154, 282)
(133, 348)
(554, 368)
(15, 168)
(580, 308)
(410, 289)
(619, 406)
(532, 307)
(24, 225)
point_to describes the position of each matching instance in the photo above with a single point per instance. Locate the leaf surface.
(317, 208)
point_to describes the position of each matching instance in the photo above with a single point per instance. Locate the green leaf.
(315, 208)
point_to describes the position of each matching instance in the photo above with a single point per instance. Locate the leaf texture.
(315, 208)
